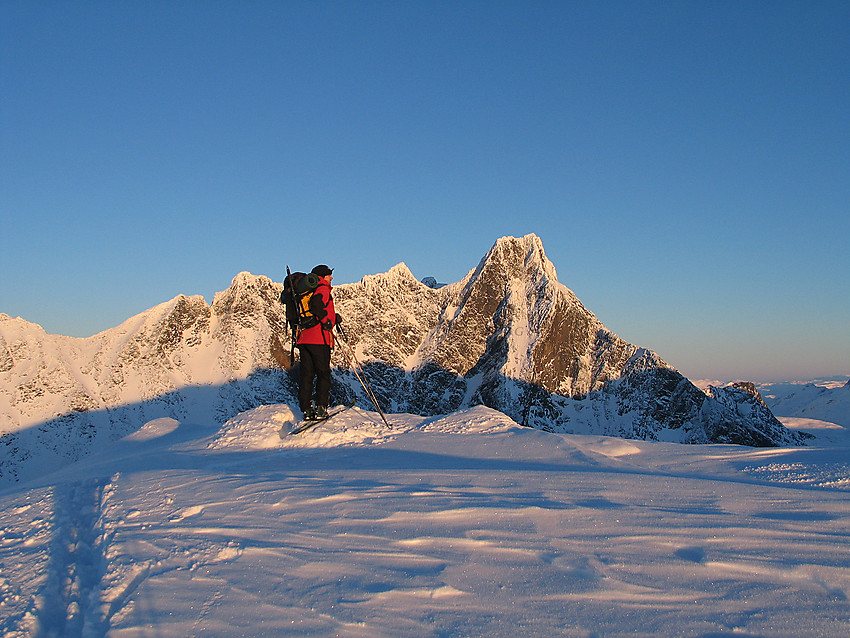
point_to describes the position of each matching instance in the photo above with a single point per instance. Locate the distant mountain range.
(508, 336)
(824, 400)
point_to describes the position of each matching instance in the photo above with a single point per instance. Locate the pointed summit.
(511, 318)
(389, 314)
(242, 292)
(397, 275)
(523, 253)
(515, 258)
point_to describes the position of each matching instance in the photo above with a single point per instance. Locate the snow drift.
(464, 524)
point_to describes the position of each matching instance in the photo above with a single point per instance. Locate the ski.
(306, 425)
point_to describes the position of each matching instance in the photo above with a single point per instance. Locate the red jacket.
(322, 306)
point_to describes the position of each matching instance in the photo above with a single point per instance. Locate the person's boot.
(321, 412)
(309, 414)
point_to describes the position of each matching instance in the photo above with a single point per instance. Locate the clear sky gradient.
(686, 164)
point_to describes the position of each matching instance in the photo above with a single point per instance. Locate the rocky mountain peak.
(397, 283)
(431, 282)
(522, 256)
(17, 324)
(495, 308)
(750, 388)
(400, 271)
(510, 258)
(510, 336)
(243, 294)
(388, 314)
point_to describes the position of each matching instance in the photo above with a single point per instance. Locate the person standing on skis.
(315, 345)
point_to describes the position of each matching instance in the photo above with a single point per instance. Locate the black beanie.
(322, 270)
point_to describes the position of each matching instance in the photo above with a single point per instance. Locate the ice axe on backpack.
(287, 301)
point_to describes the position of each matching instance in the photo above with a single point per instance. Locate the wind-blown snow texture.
(456, 526)
(508, 336)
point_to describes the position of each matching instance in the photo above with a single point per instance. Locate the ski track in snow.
(461, 525)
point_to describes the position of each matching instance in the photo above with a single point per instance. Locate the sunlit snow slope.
(462, 525)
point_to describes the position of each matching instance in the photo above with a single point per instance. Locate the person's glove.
(328, 325)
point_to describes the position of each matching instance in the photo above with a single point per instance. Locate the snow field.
(462, 525)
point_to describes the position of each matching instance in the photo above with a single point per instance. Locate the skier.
(315, 345)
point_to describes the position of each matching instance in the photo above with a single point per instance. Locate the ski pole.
(351, 358)
(361, 377)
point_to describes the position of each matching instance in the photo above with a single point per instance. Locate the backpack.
(298, 289)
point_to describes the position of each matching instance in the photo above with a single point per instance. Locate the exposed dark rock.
(6, 360)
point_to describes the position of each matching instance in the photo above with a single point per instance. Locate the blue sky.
(686, 164)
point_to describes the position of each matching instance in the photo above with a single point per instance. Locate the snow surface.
(462, 525)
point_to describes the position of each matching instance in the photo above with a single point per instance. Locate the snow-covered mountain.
(508, 336)
(511, 337)
(62, 397)
(824, 401)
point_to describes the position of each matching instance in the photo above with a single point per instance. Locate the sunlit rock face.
(510, 336)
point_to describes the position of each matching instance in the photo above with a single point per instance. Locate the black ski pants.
(315, 364)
